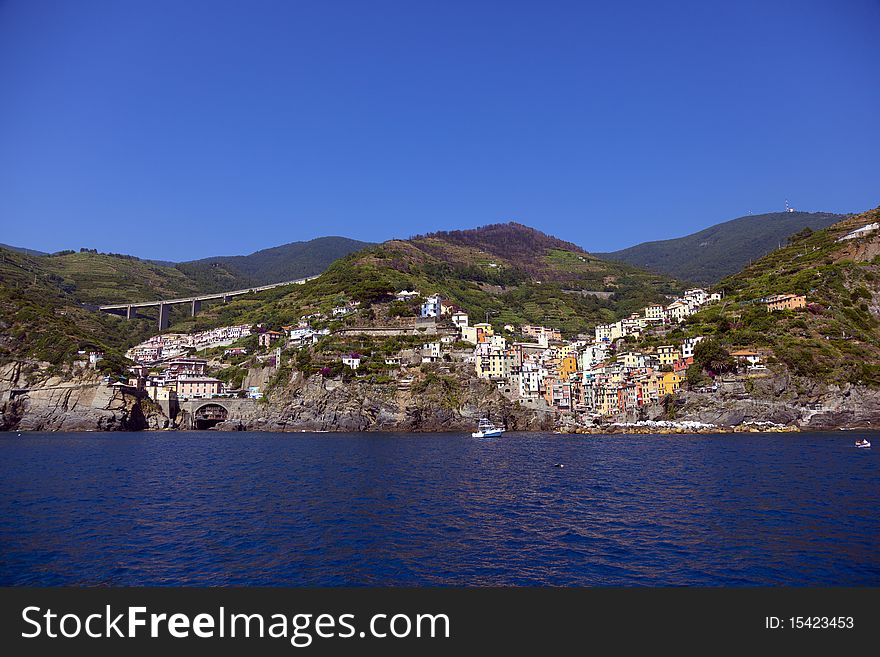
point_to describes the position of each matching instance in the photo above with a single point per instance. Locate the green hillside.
(108, 278)
(47, 301)
(99, 278)
(41, 318)
(281, 263)
(19, 249)
(514, 273)
(837, 338)
(709, 255)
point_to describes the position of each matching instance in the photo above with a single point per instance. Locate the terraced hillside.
(837, 338)
(42, 318)
(98, 278)
(510, 272)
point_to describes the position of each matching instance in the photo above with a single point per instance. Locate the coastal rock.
(427, 399)
(450, 399)
(80, 403)
(777, 399)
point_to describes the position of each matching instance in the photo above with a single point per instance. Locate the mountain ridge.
(510, 271)
(278, 263)
(21, 249)
(723, 248)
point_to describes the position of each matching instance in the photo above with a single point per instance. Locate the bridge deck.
(202, 297)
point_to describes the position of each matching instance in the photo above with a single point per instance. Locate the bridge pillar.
(196, 306)
(163, 316)
(225, 299)
(130, 313)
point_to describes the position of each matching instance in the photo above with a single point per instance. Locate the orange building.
(567, 367)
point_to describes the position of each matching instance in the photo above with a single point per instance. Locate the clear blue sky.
(181, 129)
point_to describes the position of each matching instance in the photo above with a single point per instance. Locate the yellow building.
(494, 365)
(161, 391)
(485, 327)
(669, 383)
(668, 354)
(606, 399)
(785, 302)
(650, 385)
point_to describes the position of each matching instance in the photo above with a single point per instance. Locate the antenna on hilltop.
(788, 208)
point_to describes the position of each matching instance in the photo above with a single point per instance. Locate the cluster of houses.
(582, 376)
(595, 375)
(172, 345)
(657, 314)
(182, 378)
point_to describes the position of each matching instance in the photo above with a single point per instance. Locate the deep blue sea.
(209, 508)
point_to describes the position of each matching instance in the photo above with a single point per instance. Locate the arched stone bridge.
(208, 413)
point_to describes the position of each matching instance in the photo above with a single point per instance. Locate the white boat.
(486, 429)
(863, 444)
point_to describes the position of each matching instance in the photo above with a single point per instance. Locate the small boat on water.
(863, 443)
(486, 429)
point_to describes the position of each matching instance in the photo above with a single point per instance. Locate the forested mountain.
(711, 254)
(280, 263)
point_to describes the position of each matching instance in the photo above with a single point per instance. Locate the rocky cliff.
(779, 398)
(447, 399)
(32, 401)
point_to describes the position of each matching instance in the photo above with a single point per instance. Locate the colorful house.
(785, 302)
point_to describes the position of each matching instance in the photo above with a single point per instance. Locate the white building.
(531, 378)
(678, 310)
(430, 352)
(431, 307)
(654, 312)
(688, 345)
(747, 356)
(497, 341)
(697, 296)
(607, 332)
(300, 334)
(591, 355)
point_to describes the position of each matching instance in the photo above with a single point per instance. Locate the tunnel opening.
(209, 416)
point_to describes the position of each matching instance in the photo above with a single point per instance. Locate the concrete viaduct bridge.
(129, 310)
